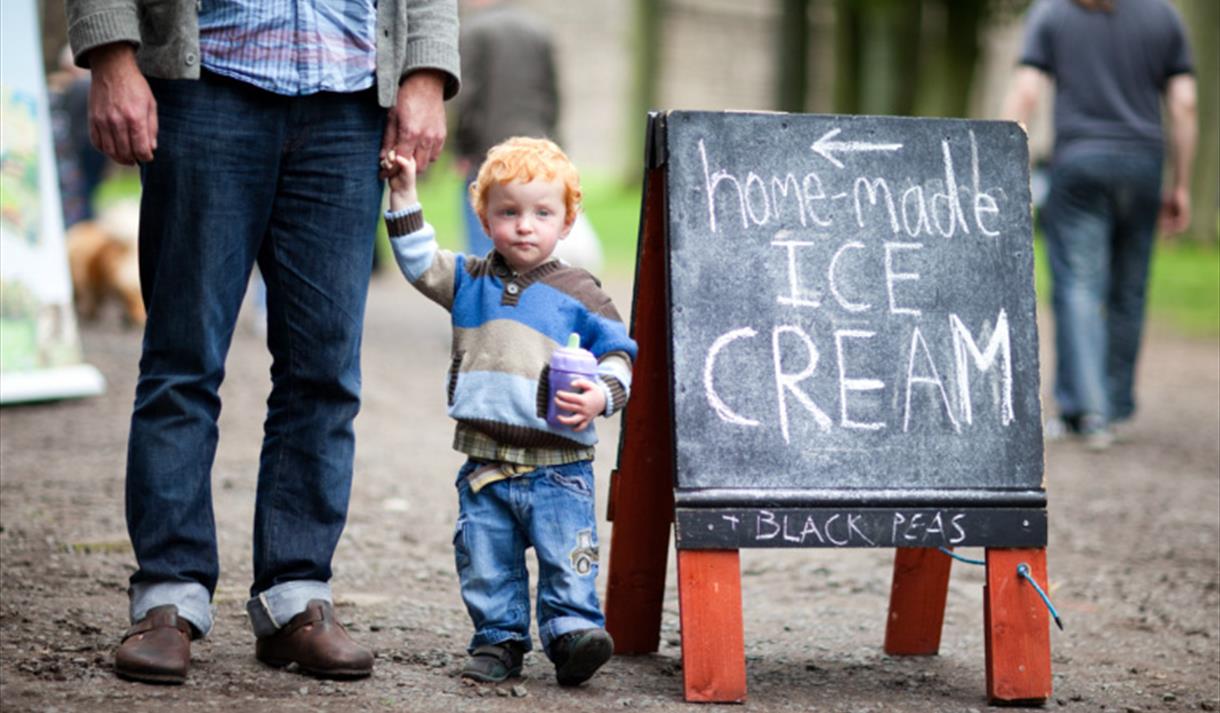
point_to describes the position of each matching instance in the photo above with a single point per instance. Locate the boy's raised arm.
(426, 266)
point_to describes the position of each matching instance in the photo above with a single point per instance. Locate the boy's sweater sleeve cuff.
(405, 221)
(609, 410)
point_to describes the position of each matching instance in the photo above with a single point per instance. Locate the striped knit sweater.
(505, 326)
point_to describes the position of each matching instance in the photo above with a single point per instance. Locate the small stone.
(303, 690)
(1208, 705)
(502, 692)
(1169, 698)
(519, 691)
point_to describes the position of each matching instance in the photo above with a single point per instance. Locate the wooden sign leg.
(713, 640)
(1016, 628)
(917, 601)
(641, 492)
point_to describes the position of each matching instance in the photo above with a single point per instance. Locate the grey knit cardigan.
(411, 35)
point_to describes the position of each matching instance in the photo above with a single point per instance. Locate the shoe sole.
(165, 679)
(484, 678)
(342, 674)
(588, 655)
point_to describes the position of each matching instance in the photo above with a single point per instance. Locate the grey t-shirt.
(1110, 69)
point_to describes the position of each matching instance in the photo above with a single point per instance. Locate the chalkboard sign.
(852, 312)
(838, 348)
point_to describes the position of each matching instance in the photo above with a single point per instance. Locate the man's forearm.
(1182, 105)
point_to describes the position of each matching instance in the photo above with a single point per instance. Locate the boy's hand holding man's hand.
(581, 407)
(401, 172)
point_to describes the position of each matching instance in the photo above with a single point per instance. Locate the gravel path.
(1134, 570)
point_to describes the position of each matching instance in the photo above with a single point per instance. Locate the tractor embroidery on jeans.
(585, 554)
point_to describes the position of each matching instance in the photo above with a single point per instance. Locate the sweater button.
(190, 59)
(512, 288)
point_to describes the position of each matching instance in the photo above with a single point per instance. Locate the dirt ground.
(1133, 559)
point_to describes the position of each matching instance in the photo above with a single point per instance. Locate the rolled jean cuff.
(275, 607)
(191, 598)
(561, 625)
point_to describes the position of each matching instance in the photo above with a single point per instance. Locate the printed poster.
(40, 354)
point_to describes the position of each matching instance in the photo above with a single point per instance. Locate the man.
(258, 131)
(1112, 62)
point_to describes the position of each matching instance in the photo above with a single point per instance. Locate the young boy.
(526, 483)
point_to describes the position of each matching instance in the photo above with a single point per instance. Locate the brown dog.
(104, 266)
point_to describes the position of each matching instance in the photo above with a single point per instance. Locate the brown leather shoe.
(156, 649)
(318, 643)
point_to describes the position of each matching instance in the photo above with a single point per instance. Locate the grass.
(1184, 289)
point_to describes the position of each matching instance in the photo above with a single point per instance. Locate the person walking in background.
(510, 87)
(81, 166)
(1112, 62)
(258, 127)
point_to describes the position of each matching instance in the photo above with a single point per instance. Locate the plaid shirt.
(291, 47)
(481, 447)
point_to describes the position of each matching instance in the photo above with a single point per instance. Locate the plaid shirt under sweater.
(505, 326)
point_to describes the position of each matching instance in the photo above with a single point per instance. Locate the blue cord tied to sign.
(1023, 572)
(958, 557)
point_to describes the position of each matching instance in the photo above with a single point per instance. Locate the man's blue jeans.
(241, 175)
(551, 509)
(1100, 224)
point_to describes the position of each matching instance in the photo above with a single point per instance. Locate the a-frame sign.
(838, 348)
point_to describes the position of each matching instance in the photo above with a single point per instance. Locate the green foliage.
(1183, 287)
(614, 209)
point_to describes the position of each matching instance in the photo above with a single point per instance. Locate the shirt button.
(512, 288)
(190, 59)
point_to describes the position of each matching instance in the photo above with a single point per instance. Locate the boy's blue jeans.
(1100, 223)
(241, 175)
(551, 509)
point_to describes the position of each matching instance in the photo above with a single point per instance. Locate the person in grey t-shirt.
(1112, 62)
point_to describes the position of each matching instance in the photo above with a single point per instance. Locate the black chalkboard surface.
(852, 311)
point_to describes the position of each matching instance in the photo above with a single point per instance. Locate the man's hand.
(122, 111)
(416, 125)
(401, 172)
(582, 406)
(1175, 211)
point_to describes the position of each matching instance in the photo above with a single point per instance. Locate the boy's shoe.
(492, 663)
(578, 655)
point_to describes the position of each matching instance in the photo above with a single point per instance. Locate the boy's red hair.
(525, 159)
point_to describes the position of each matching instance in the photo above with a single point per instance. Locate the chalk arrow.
(824, 146)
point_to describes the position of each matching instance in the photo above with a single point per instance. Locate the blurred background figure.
(509, 88)
(81, 166)
(1112, 62)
